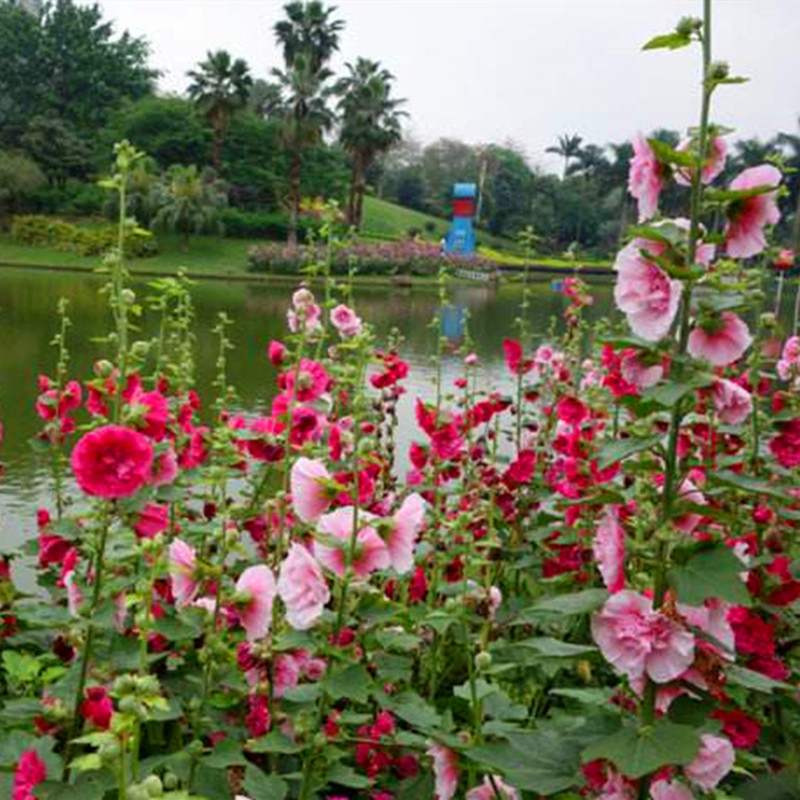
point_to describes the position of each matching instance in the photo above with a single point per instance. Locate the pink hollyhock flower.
(639, 374)
(112, 461)
(689, 493)
(346, 321)
(784, 260)
(732, 402)
(663, 789)
(30, 772)
(150, 412)
(310, 494)
(310, 378)
(97, 707)
(712, 763)
(276, 353)
(256, 588)
(644, 292)
(713, 165)
(286, 674)
(712, 618)
(645, 180)
(638, 640)
(371, 553)
(302, 587)
(616, 787)
(152, 520)
(789, 364)
(406, 524)
(744, 233)
(165, 468)
(182, 561)
(608, 548)
(486, 790)
(445, 771)
(721, 340)
(785, 447)
(307, 317)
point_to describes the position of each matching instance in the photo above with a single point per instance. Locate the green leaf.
(565, 605)
(670, 41)
(670, 393)
(613, 452)
(212, 784)
(411, 708)
(710, 573)
(260, 786)
(589, 697)
(274, 742)
(20, 667)
(669, 155)
(393, 667)
(226, 753)
(352, 682)
(749, 484)
(751, 679)
(636, 752)
(397, 640)
(735, 195)
(554, 648)
(347, 776)
(85, 763)
(482, 689)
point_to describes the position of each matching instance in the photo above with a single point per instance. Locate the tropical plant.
(568, 148)
(219, 87)
(189, 201)
(370, 124)
(308, 30)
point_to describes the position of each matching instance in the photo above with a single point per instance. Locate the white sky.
(526, 70)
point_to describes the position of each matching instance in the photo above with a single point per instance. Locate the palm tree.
(304, 115)
(790, 145)
(219, 87)
(189, 202)
(308, 29)
(568, 147)
(370, 124)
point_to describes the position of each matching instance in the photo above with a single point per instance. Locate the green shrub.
(262, 224)
(84, 240)
(73, 199)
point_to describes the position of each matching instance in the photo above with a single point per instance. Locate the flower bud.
(688, 25)
(140, 349)
(768, 320)
(128, 297)
(483, 661)
(103, 368)
(718, 70)
(152, 785)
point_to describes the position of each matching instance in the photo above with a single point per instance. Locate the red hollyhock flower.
(258, 720)
(786, 445)
(512, 350)
(97, 708)
(740, 728)
(571, 411)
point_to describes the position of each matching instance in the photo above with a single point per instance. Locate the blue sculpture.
(460, 239)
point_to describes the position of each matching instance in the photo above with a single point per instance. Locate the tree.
(19, 178)
(308, 37)
(57, 149)
(568, 148)
(189, 201)
(219, 87)
(370, 124)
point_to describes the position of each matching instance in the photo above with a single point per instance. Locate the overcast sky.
(525, 70)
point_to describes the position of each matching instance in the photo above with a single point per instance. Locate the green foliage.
(19, 179)
(713, 572)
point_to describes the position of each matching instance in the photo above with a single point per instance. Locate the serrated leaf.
(751, 679)
(345, 775)
(710, 573)
(554, 648)
(274, 742)
(614, 452)
(352, 682)
(226, 753)
(411, 708)
(670, 41)
(589, 697)
(397, 640)
(639, 751)
(582, 602)
(260, 786)
(749, 484)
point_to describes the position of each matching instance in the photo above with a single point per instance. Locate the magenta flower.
(638, 640)
(152, 520)
(608, 548)
(112, 461)
(644, 292)
(720, 340)
(182, 562)
(744, 233)
(713, 165)
(636, 372)
(371, 553)
(406, 524)
(30, 772)
(645, 180)
(310, 494)
(486, 790)
(302, 587)
(256, 590)
(732, 402)
(345, 320)
(664, 789)
(445, 771)
(712, 763)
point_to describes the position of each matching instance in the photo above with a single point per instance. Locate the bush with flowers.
(586, 586)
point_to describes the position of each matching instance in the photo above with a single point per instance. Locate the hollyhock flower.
(609, 550)
(182, 561)
(97, 707)
(786, 445)
(286, 673)
(150, 411)
(346, 321)
(571, 411)
(520, 470)
(152, 520)
(639, 374)
(732, 402)
(616, 787)
(486, 790)
(512, 350)
(712, 618)
(784, 260)
(302, 588)
(644, 293)
(30, 772)
(256, 588)
(663, 789)
(744, 233)
(712, 763)
(257, 720)
(371, 553)
(276, 353)
(645, 180)
(752, 634)
(310, 494)
(638, 640)
(307, 317)
(406, 523)
(712, 166)
(789, 364)
(742, 730)
(689, 493)
(112, 461)
(720, 340)
(445, 771)
(165, 468)
(310, 378)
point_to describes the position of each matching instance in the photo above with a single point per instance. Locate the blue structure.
(460, 239)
